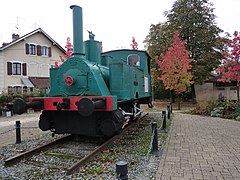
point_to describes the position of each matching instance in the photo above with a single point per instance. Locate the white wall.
(2, 71)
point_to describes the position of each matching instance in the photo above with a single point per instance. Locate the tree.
(195, 22)
(68, 54)
(69, 47)
(230, 68)
(175, 67)
(158, 39)
(157, 42)
(134, 44)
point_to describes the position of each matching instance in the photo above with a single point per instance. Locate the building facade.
(25, 62)
(212, 89)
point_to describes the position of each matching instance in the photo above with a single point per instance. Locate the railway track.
(15, 159)
(70, 161)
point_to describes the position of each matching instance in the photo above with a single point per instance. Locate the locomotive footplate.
(81, 104)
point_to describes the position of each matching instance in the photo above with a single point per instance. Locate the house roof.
(39, 30)
(213, 79)
(40, 82)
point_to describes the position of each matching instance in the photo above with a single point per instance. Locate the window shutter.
(39, 50)
(24, 69)
(27, 48)
(9, 68)
(49, 52)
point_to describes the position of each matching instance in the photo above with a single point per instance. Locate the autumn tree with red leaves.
(230, 68)
(68, 54)
(175, 67)
(134, 44)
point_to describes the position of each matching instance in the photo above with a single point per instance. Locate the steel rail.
(12, 160)
(88, 157)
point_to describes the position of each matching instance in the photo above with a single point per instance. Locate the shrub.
(4, 100)
(226, 109)
(204, 107)
(217, 112)
(231, 109)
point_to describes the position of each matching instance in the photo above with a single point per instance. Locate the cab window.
(133, 59)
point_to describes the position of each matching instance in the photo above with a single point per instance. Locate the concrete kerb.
(164, 153)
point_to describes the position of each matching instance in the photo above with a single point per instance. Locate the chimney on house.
(15, 37)
(4, 44)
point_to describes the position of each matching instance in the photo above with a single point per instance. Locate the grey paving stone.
(201, 148)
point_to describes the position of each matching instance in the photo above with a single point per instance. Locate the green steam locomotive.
(93, 93)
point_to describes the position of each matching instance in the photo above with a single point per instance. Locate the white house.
(25, 62)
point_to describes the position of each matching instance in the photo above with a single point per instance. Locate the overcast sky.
(113, 22)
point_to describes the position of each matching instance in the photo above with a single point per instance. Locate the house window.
(220, 88)
(32, 49)
(10, 90)
(17, 89)
(133, 59)
(44, 51)
(225, 84)
(14, 90)
(16, 68)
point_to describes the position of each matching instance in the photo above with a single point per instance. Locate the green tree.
(195, 22)
(158, 39)
(157, 42)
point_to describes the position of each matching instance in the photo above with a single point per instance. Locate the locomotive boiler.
(93, 93)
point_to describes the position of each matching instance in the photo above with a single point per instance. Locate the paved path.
(201, 148)
(29, 124)
(26, 117)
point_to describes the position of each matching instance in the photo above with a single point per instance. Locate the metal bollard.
(18, 132)
(163, 120)
(168, 111)
(154, 126)
(171, 108)
(121, 170)
(155, 139)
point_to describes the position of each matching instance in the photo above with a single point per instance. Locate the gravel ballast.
(134, 148)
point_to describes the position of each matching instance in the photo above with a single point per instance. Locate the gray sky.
(114, 22)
